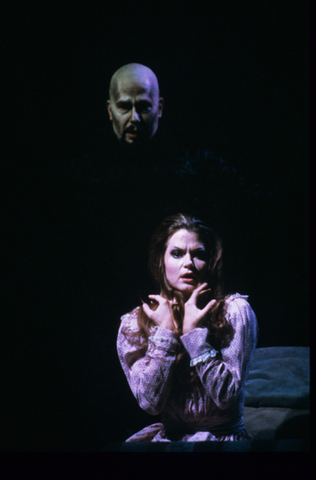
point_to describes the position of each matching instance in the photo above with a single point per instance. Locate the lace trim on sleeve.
(204, 358)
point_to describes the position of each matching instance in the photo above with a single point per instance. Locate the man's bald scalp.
(133, 71)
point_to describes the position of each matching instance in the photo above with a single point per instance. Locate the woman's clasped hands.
(193, 315)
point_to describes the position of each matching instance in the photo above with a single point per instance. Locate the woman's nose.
(188, 260)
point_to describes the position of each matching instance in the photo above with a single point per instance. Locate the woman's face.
(185, 261)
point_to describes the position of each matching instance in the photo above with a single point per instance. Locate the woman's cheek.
(202, 270)
(172, 270)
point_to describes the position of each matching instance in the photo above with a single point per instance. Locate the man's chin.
(133, 141)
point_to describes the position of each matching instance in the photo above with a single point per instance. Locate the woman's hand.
(162, 315)
(192, 314)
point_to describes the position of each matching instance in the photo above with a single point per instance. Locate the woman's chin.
(187, 291)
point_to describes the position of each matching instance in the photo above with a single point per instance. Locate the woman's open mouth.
(188, 277)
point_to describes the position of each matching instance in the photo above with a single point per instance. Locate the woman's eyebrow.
(198, 249)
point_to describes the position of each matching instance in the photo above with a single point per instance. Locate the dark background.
(234, 76)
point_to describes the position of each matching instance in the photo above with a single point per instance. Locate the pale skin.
(134, 106)
(185, 267)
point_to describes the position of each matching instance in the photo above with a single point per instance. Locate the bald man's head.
(133, 72)
(134, 106)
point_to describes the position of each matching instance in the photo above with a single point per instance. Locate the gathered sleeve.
(148, 369)
(223, 374)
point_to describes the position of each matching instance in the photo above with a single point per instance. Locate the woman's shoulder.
(239, 304)
(241, 316)
(129, 320)
(236, 298)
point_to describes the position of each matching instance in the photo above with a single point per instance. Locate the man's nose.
(135, 116)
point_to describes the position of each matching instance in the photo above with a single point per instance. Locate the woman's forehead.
(182, 238)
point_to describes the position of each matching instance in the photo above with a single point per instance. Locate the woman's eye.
(200, 256)
(176, 253)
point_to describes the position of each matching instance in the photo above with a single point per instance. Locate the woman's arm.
(148, 371)
(224, 373)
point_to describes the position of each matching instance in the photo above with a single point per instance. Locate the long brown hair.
(218, 328)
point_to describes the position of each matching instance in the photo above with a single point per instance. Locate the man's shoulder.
(204, 157)
(209, 166)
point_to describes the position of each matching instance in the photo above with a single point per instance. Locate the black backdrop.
(234, 76)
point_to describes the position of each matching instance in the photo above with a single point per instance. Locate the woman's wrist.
(188, 325)
(169, 325)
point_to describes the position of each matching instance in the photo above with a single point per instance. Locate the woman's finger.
(147, 310)
(198, 291)
(209, 306)
(199, 288)
(158, 298)
(207, 290)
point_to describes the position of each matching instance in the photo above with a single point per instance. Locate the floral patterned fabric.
(214, 412)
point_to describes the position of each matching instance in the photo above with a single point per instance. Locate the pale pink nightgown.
(216, 412)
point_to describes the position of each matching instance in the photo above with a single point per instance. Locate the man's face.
(134, 110)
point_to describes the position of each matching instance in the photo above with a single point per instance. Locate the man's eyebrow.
(123, 102)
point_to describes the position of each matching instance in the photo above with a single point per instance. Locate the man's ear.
(109, 109)
(160, 106)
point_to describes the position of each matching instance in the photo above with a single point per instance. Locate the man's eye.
(143, 107)
(123, 106)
